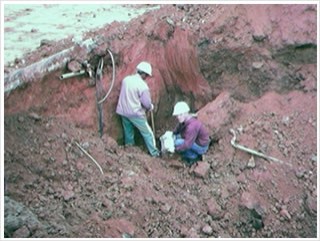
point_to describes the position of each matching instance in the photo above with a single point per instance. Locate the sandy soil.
(26, 25)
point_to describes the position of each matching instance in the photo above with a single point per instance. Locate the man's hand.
(151, 108)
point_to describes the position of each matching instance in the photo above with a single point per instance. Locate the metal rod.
(99, 94)
(85, 152)
(72, 74)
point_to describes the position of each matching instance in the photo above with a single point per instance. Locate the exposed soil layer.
(250, 68)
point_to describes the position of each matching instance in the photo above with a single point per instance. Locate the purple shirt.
(192, 131)
(134, 98)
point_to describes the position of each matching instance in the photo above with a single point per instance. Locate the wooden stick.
(85, 152)
(253, 152)
(152, 124)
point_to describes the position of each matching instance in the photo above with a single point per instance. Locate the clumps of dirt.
(228, 194)
(235, 78)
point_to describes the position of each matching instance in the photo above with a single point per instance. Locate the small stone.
(67, 195)
(202, 169)
(214, 209)
(286, 120)
(20, 119)
(80, 166)
(166, 208)
(46, 42)
(314, 158)
(300, 173)
(207, 230)
(251, 162)
(257, 223)
(22, 232)
(284, 213)
(170, 21)
(74, 66)
(64, 136)
(35, 116)
(85, 145)
(257, 65)
(259, 37)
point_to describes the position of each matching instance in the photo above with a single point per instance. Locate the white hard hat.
(145, 67)
(181, 108)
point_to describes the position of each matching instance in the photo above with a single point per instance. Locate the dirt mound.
(239, 66)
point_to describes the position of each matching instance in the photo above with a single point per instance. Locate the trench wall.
(195, 56)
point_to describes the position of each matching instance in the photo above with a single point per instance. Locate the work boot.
(190, 161)
(156, 154)
(130, 148)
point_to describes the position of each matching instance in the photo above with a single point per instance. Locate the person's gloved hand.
(151, 108)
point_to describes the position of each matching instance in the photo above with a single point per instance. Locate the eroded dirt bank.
(251, 68)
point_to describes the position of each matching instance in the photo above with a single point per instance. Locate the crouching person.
(191, 137)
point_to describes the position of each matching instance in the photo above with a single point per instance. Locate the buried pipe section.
(39, 69)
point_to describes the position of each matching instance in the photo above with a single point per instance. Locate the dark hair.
(141, 72)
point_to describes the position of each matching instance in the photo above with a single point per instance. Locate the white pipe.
(37, 70)
(113, 77)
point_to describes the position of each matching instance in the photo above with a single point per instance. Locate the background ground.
(26, 25)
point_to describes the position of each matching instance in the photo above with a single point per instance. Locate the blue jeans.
(142, 125)
(194, 152)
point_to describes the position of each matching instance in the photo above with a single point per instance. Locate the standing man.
(134, 101)
(191, 137)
